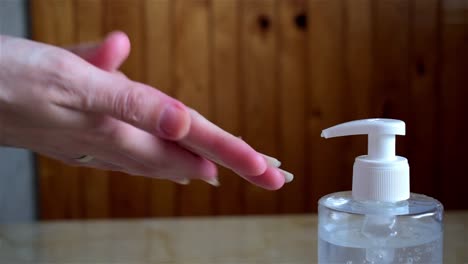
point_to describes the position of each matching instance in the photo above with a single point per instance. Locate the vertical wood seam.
(374, 110)
(410, 46)
(143, 76)
(171, 72)
(80, 191)
(241, 89)
(438, 103)
(172, 81)
(211, 84)
(307, 178)
(344, 53)
(279, 107)
(411, 52)
(304, 109)
(344, 78)
(102, 30)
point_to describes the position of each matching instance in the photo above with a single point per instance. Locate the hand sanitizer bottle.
(379, 221)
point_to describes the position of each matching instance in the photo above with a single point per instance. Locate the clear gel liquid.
(365, 232)
(350, 247)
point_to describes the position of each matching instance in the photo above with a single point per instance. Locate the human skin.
(65, 103)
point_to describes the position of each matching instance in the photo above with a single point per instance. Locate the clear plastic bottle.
(355, 232)
(379, 221)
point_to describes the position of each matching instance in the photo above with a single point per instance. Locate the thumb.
(107, 55)
(137, 104)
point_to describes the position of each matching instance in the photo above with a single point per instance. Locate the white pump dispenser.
(379, 175)
(379, 221)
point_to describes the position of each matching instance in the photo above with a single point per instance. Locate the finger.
(165, 158)
(208, 140)
(137, 104)
(169, 159)
(271, 179)
(108, 54)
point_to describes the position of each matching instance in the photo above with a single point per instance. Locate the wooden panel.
(59, 190)
(162, 199)
(358, 49)
(291, 115)
(41, 29)
(422, 122)
(358, 65)
(54, 21)
(264, 71)
(453, 93)
(390, 93)
(226, 95)
(192, 85)
(60, 187)
(94, 182)
(259, 79)
(128, 194)
(324, 98)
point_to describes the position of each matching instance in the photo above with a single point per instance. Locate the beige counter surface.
(269, 239)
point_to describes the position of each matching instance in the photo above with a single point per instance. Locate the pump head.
(379, 175)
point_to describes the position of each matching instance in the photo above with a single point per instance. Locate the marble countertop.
(271, 239)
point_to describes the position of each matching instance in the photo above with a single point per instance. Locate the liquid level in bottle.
(349, 247)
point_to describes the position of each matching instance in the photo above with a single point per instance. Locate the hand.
(67, 103)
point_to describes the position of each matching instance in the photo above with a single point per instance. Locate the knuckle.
(60, 67)
(127, 105)
(60, 61)
(60, 70)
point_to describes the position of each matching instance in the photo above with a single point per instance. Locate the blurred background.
(275, 72)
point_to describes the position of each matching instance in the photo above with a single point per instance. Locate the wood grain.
(292, 37)
(190, 240)
(358, 77)
(390, 93)
(128, 194)
(422, 121)
(61, 187)
(158, 27)
(41, 28)
(192, 86)
(259, 83)
(226, 95)
(276, 72)
(95, 183)
(325, 98)
(453, 141)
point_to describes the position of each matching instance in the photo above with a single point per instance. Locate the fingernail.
(271, 161)
(181, 181)
(288, 177)
(213, 182)
(171, 123)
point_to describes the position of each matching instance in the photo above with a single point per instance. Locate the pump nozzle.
(381, 139)
(379, 175)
